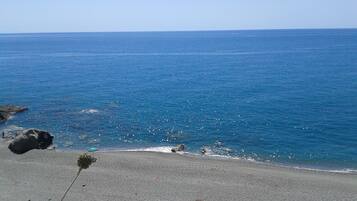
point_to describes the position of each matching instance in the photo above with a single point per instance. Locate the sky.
(27, 16)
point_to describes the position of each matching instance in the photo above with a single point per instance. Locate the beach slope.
(133, 176)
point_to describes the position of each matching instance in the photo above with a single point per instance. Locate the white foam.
(209, 153)
(163, 149)
(89, 111)
(341, 171)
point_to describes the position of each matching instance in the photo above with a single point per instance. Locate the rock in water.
(12, 108)
(4, 116)
(30, 139)
(7, 110)
(10, 132)
(203, 151)
(179, 147)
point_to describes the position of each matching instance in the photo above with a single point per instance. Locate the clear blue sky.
(170, 15)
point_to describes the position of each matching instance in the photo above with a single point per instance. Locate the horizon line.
(203, 30)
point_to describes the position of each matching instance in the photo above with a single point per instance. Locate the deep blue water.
(286, 96)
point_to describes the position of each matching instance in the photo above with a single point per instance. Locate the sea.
(286, 97)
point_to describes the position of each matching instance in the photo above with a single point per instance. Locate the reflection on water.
(280, 96)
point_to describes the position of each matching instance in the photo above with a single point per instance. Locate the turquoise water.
(283, 96)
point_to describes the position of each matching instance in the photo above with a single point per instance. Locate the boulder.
(30, 139)
(179, 147)
(203, 151)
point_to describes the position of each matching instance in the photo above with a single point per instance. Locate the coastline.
(212, 156)
(143, 175)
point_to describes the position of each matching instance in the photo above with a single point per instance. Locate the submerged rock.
(12, 108)
(4, 116)
(7, 110)
(30, 139)
(10, 132)
(179, 147)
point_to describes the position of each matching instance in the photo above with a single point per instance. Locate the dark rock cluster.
(7, 110)
(22, 140)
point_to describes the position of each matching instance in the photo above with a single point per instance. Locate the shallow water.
(284, 96)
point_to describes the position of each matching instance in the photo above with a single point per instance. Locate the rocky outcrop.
(30, 139)
(179, 147)
(7, 110)
(4, 116)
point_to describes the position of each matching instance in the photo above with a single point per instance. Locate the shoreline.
(167, 150)
(138, 175)
(213, 156)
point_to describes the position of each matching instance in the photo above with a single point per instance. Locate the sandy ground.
(120, 176)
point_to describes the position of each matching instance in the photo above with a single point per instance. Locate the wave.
(341, 171)
(89, 111)
(163, 149)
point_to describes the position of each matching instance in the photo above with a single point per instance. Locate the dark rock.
(203, 151)
(12, 108)
(7, 110)
(179, 147)
(4, 116)
(30, 139)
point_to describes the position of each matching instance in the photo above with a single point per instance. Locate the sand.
(119, 176)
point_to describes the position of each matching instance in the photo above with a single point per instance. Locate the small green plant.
(83, 162)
